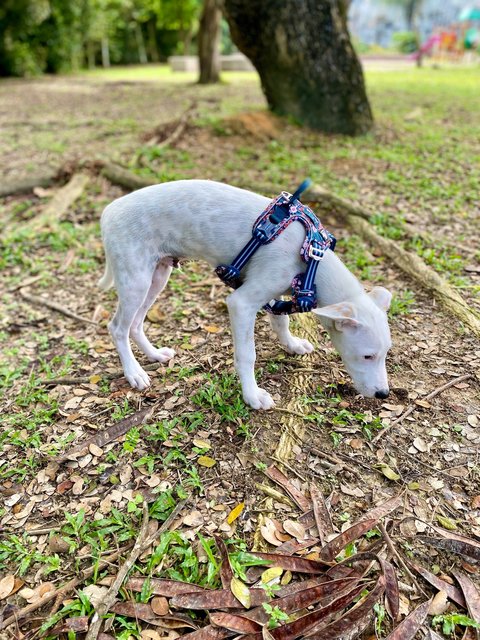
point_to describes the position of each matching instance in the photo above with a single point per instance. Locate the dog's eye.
(369, 357)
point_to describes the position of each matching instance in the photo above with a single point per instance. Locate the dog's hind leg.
(132, 292)
(280, 326)
(159, 280)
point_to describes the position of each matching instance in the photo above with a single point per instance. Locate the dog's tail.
(106, 281)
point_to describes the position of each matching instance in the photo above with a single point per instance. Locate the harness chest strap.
(279, 214)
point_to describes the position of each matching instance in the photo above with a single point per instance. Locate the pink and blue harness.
(282, 211)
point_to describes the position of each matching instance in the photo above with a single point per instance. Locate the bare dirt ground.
(67, 503)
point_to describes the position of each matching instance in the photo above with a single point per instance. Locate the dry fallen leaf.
(439, 604)
(159, 605)
(271, 574)
(241, 592)
(7, 585)
(212, 328)
(447, 523)
(420, 444)
(206, 461)
(388, 472)
(235, 512)
(95, 450)
(193, 519)
(95, 594)
(268, 531)
(295, 529)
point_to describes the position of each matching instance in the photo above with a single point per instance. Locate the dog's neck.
(335, 283)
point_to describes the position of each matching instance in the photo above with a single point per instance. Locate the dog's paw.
(138, 378)
(161, 355)
(259, 399)
(300, 346)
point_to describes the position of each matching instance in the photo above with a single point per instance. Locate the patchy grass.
(417, 172)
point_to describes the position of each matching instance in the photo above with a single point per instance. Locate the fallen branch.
(60, 203)
(55, 307)
(124, 178)
(107, 601)
(412, 407)
(118, 373)
(329, 200)
(28, 183)
(410, 263)
(177, 132)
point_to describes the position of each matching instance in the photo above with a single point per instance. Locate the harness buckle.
(315, 252)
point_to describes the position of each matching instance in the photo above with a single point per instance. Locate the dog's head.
(360, 333)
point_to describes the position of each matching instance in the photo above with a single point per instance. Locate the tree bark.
(305, 59)
(209, 42)
(142, 53)
(105, 53)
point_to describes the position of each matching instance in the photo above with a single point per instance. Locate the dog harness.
(280, 213)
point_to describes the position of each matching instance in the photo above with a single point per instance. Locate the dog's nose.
(382, 394)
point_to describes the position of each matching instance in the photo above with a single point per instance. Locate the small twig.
(332, 458)
(55, 307)
(42, 530)
(394, 553)
(107, 601)
(412, 407)
(287, 466)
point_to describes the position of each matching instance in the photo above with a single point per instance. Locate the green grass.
(159, 73)
(410, 173)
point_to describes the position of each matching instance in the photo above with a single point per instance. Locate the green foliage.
(54, 36)
(449, 621)
(405, 41)
(276, 615)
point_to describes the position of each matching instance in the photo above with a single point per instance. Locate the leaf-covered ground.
(72, 488)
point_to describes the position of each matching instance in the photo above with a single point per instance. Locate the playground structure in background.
(459, 42)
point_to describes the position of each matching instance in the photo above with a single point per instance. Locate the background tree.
(209, 42)
(305, 59)
(410, 10)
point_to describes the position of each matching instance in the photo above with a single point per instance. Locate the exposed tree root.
(124, 178)
(410, 263)
(60, 203)
(28, 183)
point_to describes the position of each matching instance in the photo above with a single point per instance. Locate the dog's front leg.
(280, 326)
(242, 317)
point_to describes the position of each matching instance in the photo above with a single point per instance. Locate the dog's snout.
(382, 394)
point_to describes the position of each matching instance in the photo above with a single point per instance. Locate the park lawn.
(418, 171)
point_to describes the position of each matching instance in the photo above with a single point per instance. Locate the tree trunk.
(91, 54)
(142, 54)
(209, 42)
(105, 53)
(152, 40)
(307, 65)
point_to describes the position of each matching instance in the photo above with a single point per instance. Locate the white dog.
(147, 231)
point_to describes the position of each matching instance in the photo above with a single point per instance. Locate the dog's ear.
(342, 314)
(382, 297)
